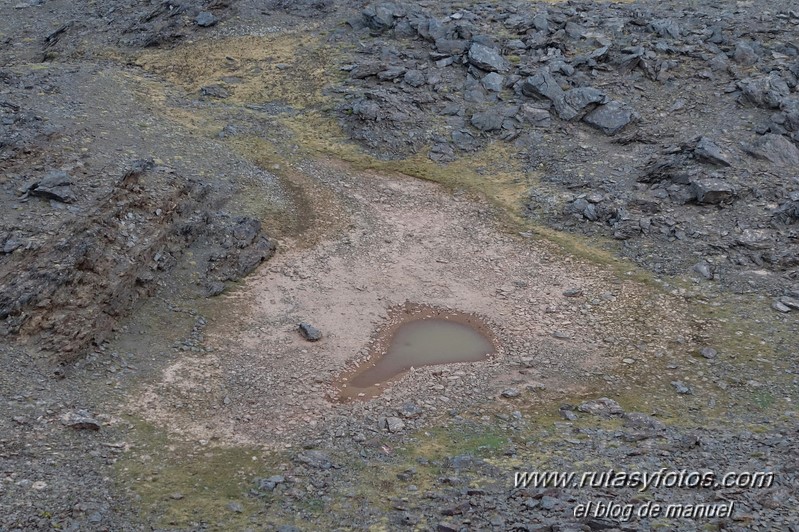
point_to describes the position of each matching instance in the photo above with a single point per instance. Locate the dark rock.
(55, 185)
(610, 118)
(640, 420)
(774, 148)
(486, 58)
(582, 97)
(713, 191)
(80, 420)
(787, 213)
(315, 459)
(681, 388)
(744, 54)
(573, 292)
(205, 19)
(542, 85)
(708, 352)
(409, 411)
(391, 73)
(269, 484)
(393, 424)
(381, 17)
(704, 269)
(535, 116)
(790, 302)
(601, 407)
(452, 46)
(214, 91)
(767, 91)
(509, 393)
(493, 82)
(707, 151)
(309, 332)
(666, 28)
(489, 120)
(414, 78)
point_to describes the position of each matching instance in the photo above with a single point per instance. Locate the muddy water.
(423, 342)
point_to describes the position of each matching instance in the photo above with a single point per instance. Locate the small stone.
(510, 393)
(779, 307)
(486, 58)
(487, 121)
(309, 332)
(707, 151)
(205, 19)
(790, 302)
(640, 420)
(712, 191)
(629, 360)
(610, 118)
(80, 420)
(316, 459)
(744, 54)
(414, 78)
(603, 406)
(573, 292)
(704, 269)
(493, 82)
(708, 352)
(409, 411)
(394, 424)
(774, 148)
(235, 507)
(681, 388)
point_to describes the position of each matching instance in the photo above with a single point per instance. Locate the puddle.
(418, 336)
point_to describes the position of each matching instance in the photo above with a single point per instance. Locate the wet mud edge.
(381, 340)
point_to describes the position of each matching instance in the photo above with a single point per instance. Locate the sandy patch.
(407, 241)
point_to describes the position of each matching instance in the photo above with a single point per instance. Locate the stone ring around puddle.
(415, 336)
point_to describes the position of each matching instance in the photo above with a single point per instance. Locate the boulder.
(486, 58)
(774, 148)
(610, 118)
(712, 191)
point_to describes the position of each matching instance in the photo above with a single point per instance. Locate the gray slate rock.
(394, 424)
(309, 332)
(382, 17)
(55, 185)
(744, 54)
(489, 120)
(316, 459)
(766, 91)
(790, 302)
(708, 352)
(601, 407)
(486, 58)
(707, 151)
(712, 191)
(414, 78)
(493, 81)
(640, 420)
(666, 28)
(681, 388)
(205, 19)
(509, 393)
(80, 420)
(610, 118)
(704, 269)
(774, 148)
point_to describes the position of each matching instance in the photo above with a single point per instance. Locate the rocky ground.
(611, 188)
